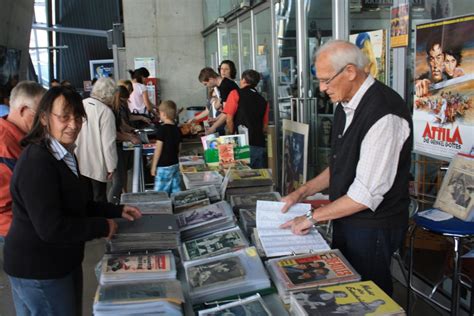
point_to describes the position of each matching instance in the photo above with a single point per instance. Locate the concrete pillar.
(15, 24)
(169, 30)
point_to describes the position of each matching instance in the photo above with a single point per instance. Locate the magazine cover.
(359, 298)
(238, 140)
(199, 215)
(315, 269)
(443, 108)
(142, 263)
(250, 306)
(456, 195)
(214, 272)
(212, 245)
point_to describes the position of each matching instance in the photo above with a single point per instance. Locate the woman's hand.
(112, 228)
(131, 212)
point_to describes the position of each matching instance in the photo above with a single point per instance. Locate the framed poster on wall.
(286, 71)
(101, 68)
(295, 155)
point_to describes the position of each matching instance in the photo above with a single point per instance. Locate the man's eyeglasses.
(68, 118)
(328, 81)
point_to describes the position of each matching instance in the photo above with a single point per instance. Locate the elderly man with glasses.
(369, 166)
(24, 101)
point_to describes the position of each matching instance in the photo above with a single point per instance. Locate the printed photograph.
(295, 155)
(213, 245)
(198, 216)
(207, 274)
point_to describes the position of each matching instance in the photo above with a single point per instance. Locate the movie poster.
(399, 26)
(374, 46)
(443, 111)
(295, 155)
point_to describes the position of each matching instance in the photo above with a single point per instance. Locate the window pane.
(263, 60)
(246, 41)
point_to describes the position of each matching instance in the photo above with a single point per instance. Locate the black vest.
(250, 113)
(378, 101)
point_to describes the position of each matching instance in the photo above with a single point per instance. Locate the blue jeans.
(258, 157)
(369, 250)
(49, 297)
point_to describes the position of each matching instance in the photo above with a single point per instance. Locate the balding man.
(24, 100)
(369, 165)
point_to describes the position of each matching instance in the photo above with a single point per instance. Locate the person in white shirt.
(96, 150)
(368, 173)
(139, 101)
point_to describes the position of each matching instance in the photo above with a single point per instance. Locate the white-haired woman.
(96, 150)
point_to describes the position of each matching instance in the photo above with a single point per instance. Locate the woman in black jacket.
(52, 216)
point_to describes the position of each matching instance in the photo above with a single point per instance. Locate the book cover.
(215, 272)
(213, 245)
(315, 269)
(141, 263)
(359, 298)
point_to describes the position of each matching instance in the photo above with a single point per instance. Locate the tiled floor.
(94, 251)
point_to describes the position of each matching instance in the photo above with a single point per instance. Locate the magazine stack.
(149, 202)
(248, 220)
(192, 164)
(297, 273)
(249, 201)
(137, 267)
(150, 232)
(204, 220)
(147, 298)
(249, 181)
(215, 244)
(359, 298)
(194, 198)
(225, 275)
(252, 305)
(199, 179)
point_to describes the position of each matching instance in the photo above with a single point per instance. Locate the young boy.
(164, 166)
(248, 108)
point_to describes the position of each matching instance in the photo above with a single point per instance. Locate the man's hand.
(112, 228)
(110, 175)
(422, 87)
(135, 140)
(131, 212)
(299, 225)
(290, 200)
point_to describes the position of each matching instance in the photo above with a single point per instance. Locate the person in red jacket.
(24, 102)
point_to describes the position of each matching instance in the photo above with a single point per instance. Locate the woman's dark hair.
(233, 70)
(39, 133)
(121, 96)
(139, 74)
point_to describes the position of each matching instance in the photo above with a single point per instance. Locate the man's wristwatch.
(309, 216)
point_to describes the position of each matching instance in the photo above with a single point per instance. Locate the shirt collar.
(354, 102)
(58, 150)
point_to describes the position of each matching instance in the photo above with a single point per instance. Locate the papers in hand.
(282, 242)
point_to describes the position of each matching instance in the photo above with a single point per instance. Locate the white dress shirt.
(379, 153)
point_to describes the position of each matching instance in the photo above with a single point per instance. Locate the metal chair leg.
(455, 285)
(412, 231)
